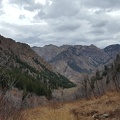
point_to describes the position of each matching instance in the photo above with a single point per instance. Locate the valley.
(74, 61)
(69, 84)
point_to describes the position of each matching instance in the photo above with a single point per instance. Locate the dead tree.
(84, 85)
(97, 78)
(91, 82)
(7, 109)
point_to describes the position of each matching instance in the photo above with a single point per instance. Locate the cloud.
(33, 7)
(101, 4)
(102, 10)
(22, 2)
(29, 5)
(97, 32)
(1, 4)
(40, 15)
(100, 24)
(22, 32)
(62, 22)
(22, 17)
(1, 7)
(59, 8)
(67, 27)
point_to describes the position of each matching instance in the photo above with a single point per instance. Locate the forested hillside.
(21, 65)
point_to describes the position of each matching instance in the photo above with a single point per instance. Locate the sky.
(61, 22)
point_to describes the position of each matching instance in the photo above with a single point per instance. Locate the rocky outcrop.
(48, 52)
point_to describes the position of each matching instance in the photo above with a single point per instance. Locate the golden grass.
(78, 110)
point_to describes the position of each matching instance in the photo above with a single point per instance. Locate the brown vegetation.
(108, 105)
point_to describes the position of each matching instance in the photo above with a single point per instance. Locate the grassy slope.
(79, 110)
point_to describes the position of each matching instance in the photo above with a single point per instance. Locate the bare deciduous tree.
(8, 108)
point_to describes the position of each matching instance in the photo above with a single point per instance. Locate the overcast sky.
(58, 22)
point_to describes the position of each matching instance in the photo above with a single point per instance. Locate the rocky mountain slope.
(72, 61)
(48, 52)
(19, 62)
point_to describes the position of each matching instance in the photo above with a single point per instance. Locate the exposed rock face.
(72, 61)
(48, 52)
(112, 50)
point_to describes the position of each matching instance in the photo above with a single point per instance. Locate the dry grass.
(79, 110)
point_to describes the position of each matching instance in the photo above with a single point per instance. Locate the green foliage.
(25, 65)
(29, 79)
(41, 85)
(55, 80)
(24, 81)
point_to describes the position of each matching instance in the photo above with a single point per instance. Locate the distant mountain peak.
(112, 47)
(50, 45)
(93, 46)
(73, 60)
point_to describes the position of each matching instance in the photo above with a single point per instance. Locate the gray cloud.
(67, 27)
(67, 22)
(114, 4)
(97, 32)
(22, 2)
(1, 7)
(22, 17)
(62, 8)
(33, 7)
(100, 24)
(29, 5)
(59, 8)
(0, 4)
(40, 15)
(23, 32)
(113, 27)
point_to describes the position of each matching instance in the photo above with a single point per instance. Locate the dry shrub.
(55, 105)
(115, 113)
(78, 110)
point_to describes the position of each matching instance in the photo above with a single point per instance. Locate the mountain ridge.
(72, 60)
(31, 72)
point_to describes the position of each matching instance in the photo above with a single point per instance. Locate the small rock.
(92, 112)
(105, 115)
(96, 116)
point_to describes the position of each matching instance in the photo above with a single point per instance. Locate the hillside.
(107, 107)
(72, 61)
(20, 63)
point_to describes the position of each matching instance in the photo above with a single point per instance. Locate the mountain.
(20, 64)
(49, 51)
(73, 61)
(112, 50)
